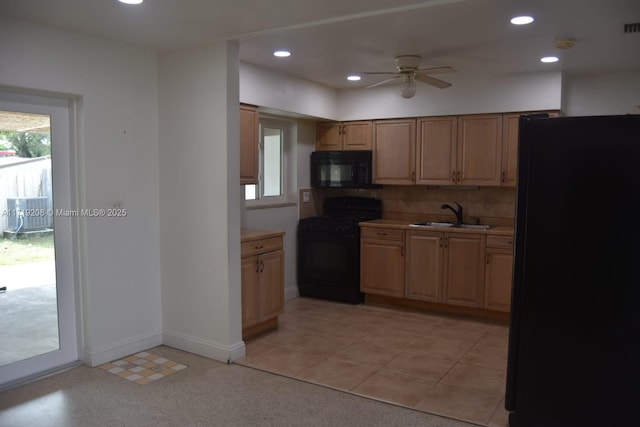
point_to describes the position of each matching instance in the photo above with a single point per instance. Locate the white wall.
(200, 201)
(266, 88)
(117, 162)
(467, 95)
(601, 94)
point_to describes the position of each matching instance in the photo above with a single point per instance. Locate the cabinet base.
(260, 328)
(502, 317)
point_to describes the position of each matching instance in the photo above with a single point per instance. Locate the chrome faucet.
(457, 212)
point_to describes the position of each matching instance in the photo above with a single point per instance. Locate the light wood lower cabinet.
(382, 263)
(262, 269)
(499, 273)
(446, 267)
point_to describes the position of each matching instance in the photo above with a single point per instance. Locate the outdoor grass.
(22, 251)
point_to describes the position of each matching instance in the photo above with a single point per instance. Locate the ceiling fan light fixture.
(408, 87)
(522, 20)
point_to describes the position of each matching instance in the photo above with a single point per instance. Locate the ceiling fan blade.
(432, 81)
(379, 72)
(437, 70)
(383, 82)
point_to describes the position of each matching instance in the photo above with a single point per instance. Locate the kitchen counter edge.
(249, 234)
(499, 230)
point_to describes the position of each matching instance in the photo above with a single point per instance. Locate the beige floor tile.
(281, 336)
(491, 357)
(450, 349)
(336, 373)
(366, 354)
(329, 313)
(467, 405)
(394, 387)
(393, 340)
(479, 378)
(495, 338)
(458, 332)
(254, 349)
(412, 326)
(318, 344)
(427, 366)
(304, 323)
(500, 417)
(284, 361)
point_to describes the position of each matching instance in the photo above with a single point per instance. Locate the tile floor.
(142, 368)
(445, 365)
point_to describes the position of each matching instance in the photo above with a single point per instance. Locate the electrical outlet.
(306, 197)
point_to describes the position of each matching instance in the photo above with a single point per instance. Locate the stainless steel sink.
(432, 224)
(475, 226)
(449, 224)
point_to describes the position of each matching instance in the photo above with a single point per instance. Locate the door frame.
(63, 112)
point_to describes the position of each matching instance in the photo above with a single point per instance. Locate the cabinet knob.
(259, 247)
(381, 233)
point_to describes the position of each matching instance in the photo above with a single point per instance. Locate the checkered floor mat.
(142, 368)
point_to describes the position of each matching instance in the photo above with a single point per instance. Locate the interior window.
(273, 149)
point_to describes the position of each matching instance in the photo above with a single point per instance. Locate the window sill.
(269, 206)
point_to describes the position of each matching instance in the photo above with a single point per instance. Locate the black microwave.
(342, 169)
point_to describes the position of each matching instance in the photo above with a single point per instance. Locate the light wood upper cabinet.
(394, 151)
(479, 149)
(249, 135)
(436, 150)
(331, 136)
(509, 149)
(382, 263)
(510, 125)
(498, 273)
(446, 267)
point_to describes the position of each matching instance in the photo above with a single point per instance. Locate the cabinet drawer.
(500, 242)
(382, 233)
(261, 246)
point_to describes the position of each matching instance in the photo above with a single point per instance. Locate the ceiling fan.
(407, 71)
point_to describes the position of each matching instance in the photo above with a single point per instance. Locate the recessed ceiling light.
(521, 20)
(131, 1)
(353, 78)
(549, 59)
(281, 53)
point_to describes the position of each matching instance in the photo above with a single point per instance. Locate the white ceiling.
(332, 38)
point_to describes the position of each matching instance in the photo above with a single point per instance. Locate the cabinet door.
(356, 135)
(497, 294)
(509, 149)
(328, 136)
(271, 284)
(464, 269)
(249, 267)
(249, 128)
(424, 265)
(479, 149)
(436, 150)
(394, 143)
(382, 267)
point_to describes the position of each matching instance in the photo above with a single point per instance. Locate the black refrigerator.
(574, 339)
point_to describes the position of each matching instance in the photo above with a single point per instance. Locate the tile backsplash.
(487, 205)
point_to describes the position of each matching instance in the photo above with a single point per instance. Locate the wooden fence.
(25, 178)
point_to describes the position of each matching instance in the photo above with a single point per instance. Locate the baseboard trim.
(123, 348)
(291, 293)
(212, 350)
